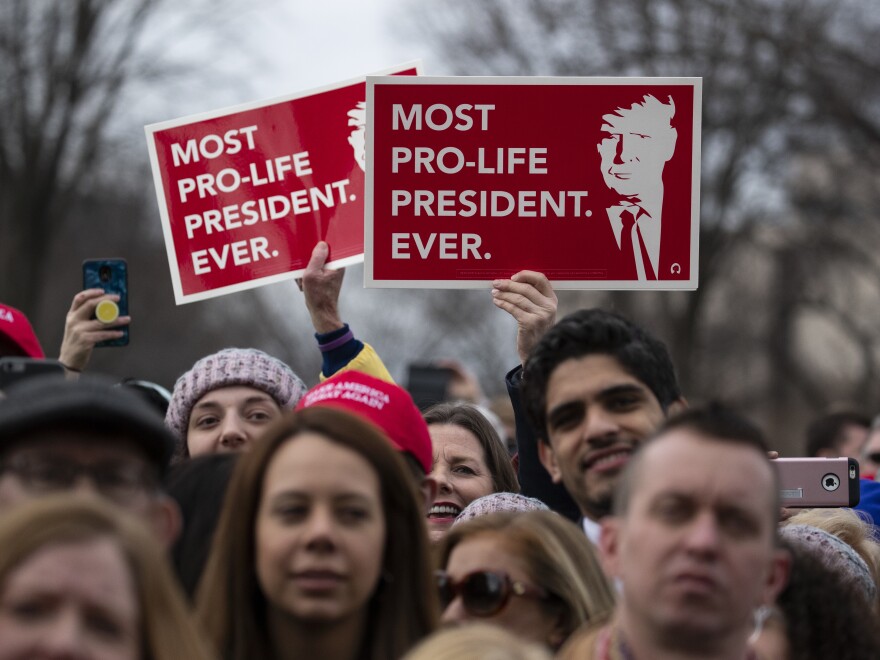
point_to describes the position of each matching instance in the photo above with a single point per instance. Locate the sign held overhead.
(592, 181)
(246, 192)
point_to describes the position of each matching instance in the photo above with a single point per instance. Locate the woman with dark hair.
(198, 485)
(321, 550)
(470, 461)
(817, 616)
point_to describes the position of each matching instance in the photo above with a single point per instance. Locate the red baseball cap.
(18, 333)
(384, 404)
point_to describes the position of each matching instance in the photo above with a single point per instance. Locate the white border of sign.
(179, 297)
(595, 285)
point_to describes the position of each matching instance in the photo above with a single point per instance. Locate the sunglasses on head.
(483, 593)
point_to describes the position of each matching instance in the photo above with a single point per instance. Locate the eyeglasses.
(484, 593)
(120, 482)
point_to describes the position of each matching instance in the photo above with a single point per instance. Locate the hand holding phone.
(111, 275)
(818, 482)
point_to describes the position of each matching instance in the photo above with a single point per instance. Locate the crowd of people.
(243, 514)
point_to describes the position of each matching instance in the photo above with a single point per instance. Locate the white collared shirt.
(592, 529)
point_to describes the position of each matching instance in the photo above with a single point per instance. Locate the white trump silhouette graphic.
(634, 146)
(357, 118)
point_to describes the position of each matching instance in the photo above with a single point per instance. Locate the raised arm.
(82, 332)
(321, 287)
(529, 298)
(339, 347)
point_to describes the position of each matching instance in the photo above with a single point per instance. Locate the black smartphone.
(428, 384)
(112, 276)
(15, 369)
(818, 482)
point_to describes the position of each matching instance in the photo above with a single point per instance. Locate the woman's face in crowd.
(526, 615)
(229, 419)
(71, 600)
(320, 531)
(461, 472)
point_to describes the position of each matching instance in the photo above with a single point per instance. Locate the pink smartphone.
(818, 482)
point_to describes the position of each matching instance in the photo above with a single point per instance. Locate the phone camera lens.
(104, 273)
(830, 482)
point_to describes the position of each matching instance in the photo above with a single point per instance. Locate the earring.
(760, 615)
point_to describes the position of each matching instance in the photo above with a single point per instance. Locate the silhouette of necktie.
(646, 260)
(627, 256)
(629, 218)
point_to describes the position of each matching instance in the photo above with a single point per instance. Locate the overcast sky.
(337, 40)
(278, 47)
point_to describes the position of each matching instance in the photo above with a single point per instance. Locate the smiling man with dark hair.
(595, 387)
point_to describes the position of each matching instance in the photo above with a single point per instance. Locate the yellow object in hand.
(107, 311)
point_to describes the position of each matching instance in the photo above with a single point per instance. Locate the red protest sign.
(592, 181)
(245, 192)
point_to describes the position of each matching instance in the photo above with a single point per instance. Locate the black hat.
(48, 402)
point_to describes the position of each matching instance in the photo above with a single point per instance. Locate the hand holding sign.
(529, 298)
(321, 286)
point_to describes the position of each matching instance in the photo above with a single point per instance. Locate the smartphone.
(112, 276)
(428, 384)
(818, 482)
(14, 369)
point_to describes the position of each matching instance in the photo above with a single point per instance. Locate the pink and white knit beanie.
(498, 503)
(231, 366)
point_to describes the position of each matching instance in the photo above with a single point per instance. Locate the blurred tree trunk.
(63, 66)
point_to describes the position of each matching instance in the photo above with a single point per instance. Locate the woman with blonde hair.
(533, 573)
(321, 550)
(849, 527)
(80, 579)
(477, 641)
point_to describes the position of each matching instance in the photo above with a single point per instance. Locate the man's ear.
(166, 520)
(677, 406)
(428, 489)
(609, 546)
(548, 460)
(777, 576)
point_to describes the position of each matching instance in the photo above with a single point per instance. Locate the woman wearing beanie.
(227, 399)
